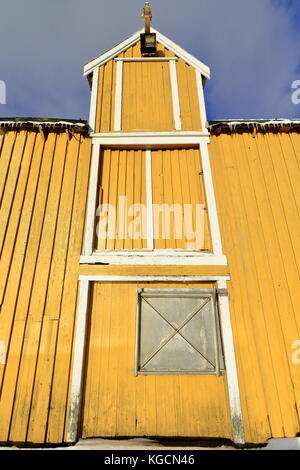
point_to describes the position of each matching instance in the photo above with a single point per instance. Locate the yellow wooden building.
(149, 271)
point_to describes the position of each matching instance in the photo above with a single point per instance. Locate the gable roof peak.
(166, 42)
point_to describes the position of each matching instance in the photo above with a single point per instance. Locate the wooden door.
(117, 402)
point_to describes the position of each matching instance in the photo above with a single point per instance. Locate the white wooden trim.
(78, 359)
(211, 201)
(201, 99)
(150, 231)
(149, 141)
(93, 104)
(145, 59)
(175, 95)
(112, 53)
(173, 134)
(145, 278)
(118, 100)
(152, 259)
(231, 369)
(177, 50)
(91, 203)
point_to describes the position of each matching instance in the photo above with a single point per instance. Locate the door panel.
(118, 403)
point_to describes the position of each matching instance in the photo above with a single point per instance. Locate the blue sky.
(252, 47)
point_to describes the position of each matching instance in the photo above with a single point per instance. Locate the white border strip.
(211, 201)
(175, 95)
(138, 278)
(202, 108)
(172, 134)
(119, 93)
(103, 58)
(91, 203)
(148, 141)
(145, 59)
(93, 105)
(231, 369)
(150, 230)
(76, 383)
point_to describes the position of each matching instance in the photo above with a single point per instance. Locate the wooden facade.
(68, 323)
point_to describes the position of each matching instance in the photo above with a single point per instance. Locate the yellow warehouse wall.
(256, 180)
(43, 187)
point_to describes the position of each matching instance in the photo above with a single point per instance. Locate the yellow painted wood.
(43, 189)
(37, 327)
(89, 269)
(122, 175)
(178, 406)
(176, 178)
(39, 409)
(262, 258)
(59, 402)
(11, 181)
(154, 92)
(6, 152)
(16, 212)
(42, 270)
(146, 98)
(188, 97)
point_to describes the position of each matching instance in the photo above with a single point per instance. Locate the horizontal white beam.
(150, 141)
(152, 134)
(150, 259)
(112, 278)
(145, 59)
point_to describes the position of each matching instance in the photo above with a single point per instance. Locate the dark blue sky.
(252, 47)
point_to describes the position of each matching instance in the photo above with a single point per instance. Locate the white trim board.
(177, 50)
(93, 104)
(202, 107)
(91, 202)
(145, 278)
(150, 140)
(175, 95)
(231, 368)
(78, 360)
(118, 99)
(145, 59)
(211, 201)
(150, 222)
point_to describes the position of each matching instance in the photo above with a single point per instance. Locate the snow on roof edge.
(251, 124)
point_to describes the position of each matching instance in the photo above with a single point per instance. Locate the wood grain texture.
(255, 181)
(117, 403)
(146, 95)
(44, 201)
